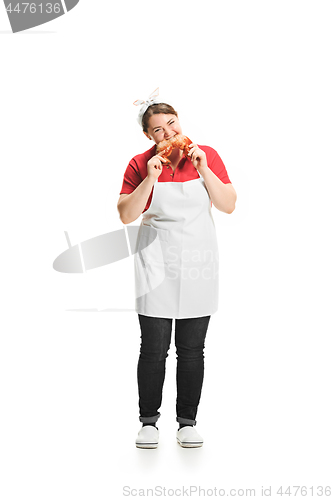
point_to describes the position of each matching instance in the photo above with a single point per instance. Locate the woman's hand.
(155, 166)
(198, 157)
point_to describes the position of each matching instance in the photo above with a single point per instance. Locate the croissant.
(179, 141)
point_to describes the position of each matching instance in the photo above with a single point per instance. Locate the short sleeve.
(216, 165)
(132, 178)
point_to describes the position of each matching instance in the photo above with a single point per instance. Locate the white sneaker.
(147, 437)
(188, 437)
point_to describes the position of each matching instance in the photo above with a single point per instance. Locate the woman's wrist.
(150, 180)
(202, 170)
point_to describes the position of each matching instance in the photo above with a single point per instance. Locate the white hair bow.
(152, 99)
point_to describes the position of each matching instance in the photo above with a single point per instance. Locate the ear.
(147, 135)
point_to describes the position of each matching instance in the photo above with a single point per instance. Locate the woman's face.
(162, 126)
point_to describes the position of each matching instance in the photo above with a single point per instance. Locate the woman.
(176, 265)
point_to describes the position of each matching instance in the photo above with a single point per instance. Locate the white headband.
(152, 99)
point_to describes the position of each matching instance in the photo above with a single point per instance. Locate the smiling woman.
(156, 109)
(174, 195)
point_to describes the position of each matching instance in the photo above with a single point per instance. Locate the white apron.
(176, 276)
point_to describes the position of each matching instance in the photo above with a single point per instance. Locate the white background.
(253, 79)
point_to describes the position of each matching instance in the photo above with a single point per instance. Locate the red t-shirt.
(136, 170)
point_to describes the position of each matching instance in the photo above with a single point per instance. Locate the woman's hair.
(156, 109)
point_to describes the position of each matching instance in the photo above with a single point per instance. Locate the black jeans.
(190, 337)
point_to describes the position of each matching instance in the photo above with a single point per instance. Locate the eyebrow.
(167, 124)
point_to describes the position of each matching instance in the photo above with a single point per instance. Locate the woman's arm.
(222, 195)
(130, 206)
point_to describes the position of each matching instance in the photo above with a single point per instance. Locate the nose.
(168, 133)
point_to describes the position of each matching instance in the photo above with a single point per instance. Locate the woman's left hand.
(198, 157)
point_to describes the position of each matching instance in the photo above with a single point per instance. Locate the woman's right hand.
(155, 167)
